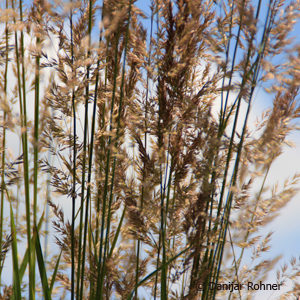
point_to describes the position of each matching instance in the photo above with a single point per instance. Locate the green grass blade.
(25, 258)
(41, 264)
(16, 275)
(117, 234)
(54, 273)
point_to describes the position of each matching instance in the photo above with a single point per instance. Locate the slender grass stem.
(139, 244)
(23, 118)
(16, 277)
(3, 142)
(84, 158)
(74, 170)
(88, 195)
(100, 260)
(106, 244)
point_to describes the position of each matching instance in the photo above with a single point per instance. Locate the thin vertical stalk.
(3, 142)
(101, 273)
(92, 144)
(163, 222)
(157, 267)
(237, 160)
(84, 163)
(229, 154)
(226, 63)
(229, 203)
(159, 239)
(74, 168)
(233, 60)
(167, 211)
(26, 167)
(16, 275)
(145, 142)
(36, 141)
(36, 130)
(226, 215)
(23, 118)
(100, 124)
(100, 262)
(48, 190)
(91, 148)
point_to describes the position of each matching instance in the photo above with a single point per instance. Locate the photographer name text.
(250, 286)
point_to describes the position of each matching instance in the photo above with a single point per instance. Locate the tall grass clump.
(131, 122)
